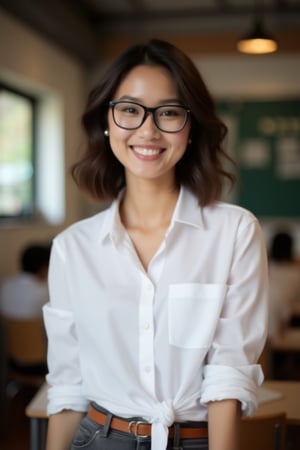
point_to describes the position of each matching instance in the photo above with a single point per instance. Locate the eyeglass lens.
(170, 118)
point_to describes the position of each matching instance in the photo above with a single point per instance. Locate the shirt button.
(149, 287)
(146, 326)
(147, 369)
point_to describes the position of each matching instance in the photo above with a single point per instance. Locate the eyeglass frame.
(148, 110)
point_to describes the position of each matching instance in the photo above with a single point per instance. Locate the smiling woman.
(159, 301)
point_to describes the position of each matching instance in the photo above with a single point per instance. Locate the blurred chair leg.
(38, 433)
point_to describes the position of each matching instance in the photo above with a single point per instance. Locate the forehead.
(148, 81)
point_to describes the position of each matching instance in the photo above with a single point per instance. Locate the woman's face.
(147, 152)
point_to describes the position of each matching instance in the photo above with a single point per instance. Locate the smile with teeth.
(146, 151)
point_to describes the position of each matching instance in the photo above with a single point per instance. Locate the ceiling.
(82, 27)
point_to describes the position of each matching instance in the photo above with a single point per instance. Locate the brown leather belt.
(143, 429)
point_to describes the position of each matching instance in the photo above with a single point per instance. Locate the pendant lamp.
(257, 42)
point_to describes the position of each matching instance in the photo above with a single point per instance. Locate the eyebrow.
(166, 101)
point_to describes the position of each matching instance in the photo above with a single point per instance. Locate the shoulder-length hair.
(201, 169)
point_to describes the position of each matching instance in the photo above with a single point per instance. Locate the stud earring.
(190, 141)
(106, 133)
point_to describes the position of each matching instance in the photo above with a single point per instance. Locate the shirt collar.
(187, 211)
(112, 226)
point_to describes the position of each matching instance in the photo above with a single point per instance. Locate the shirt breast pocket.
(193, 313)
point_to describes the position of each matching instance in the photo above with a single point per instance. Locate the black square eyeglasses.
(131, 115)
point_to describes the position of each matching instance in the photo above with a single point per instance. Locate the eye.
(129, 109)
(171, 112)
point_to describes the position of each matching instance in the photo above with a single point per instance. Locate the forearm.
(61, 429)
(224, 425)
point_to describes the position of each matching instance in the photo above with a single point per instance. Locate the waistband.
(188, 430)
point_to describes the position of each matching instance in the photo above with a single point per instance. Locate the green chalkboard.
(267, 149)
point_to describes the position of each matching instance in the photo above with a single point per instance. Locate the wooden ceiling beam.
(202, 44)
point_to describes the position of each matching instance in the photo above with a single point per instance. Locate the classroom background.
(51, 53)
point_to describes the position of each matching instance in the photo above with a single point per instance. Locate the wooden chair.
(263, 432)
(25, 353)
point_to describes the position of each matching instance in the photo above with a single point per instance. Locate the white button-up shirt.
(160, 343)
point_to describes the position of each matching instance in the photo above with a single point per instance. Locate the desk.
(289, 402)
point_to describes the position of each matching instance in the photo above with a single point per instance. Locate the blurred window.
(17, 152)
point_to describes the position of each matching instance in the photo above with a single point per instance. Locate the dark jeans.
(92, 436)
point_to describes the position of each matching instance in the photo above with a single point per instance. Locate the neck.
(148, 205)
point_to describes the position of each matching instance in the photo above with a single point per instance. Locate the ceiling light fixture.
(257, 42)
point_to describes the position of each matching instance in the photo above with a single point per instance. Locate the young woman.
(158, 304)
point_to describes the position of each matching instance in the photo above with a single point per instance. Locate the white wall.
(32, 62)
(252, 77)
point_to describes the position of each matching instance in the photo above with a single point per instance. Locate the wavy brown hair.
(201, 168)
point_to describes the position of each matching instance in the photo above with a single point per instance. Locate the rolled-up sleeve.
(64, 377)
(224, 382)
(232, 370)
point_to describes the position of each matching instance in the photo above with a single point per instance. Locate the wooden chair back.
(263, 432)
(25, 340)
(25, 355)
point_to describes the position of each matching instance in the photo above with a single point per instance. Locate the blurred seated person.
(23, 295)
(284, 283)
(21, 298)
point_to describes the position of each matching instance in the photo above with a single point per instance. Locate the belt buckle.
(136, 431)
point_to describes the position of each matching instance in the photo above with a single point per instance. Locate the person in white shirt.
(158, 305)
(23, 295)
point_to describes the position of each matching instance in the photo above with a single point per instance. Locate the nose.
(148, 127)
